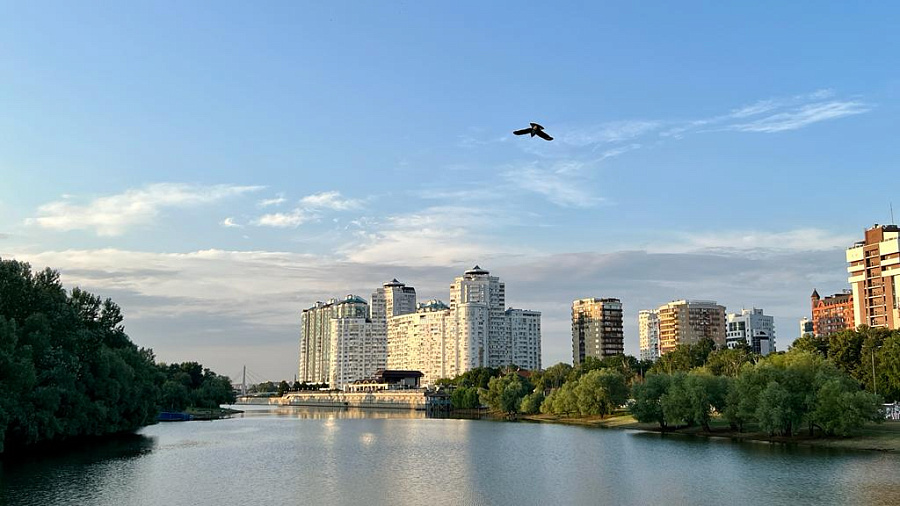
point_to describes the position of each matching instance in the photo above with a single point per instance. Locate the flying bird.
(534, 130)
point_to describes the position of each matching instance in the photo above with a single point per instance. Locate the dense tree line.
(815, 387)
(190, 385)
(858, 352)
(68, 369)
(779, 394)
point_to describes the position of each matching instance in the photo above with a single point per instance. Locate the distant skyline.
(215, 169)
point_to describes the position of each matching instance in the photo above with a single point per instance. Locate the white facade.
(524, 328)
(751, 327)
(479, 301)
(426, 341)
(358, 350)
(475, 330)
(339, 344)
(648, 325)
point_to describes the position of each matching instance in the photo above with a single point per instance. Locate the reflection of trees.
(315, 413)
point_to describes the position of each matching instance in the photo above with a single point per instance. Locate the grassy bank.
(874, 437)
(211, 413)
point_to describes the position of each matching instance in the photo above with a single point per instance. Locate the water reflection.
(86, 469)
(299, 455)
(326, 413)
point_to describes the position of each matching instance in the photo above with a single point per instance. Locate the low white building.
(751, 327)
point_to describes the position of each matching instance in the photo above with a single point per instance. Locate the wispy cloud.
(438, 235)
(329, 200)
(612, 132)
(803, 239)
(310, 209)
(800, 117)
(113, 215)
(292, 219)
(277, 201)
(774, 115)
(554, 184)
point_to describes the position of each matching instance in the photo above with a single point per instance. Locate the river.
(311, 456)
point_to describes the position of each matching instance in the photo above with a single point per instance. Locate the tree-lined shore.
(69, 370)
(815, 391)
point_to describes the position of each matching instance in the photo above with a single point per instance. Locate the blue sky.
(215, 168)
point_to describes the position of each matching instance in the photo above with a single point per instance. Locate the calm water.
(311, 457)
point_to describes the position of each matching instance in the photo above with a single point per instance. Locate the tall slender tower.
(478, 301)
(596, 329)
(874, 271)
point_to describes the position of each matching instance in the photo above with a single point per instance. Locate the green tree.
(531, 403)
(561, 401)
(812, 344)
(841, 408)
(505, 393)
(551, 377)
(647, 406)
(464, 398)
(600, 392)
(728, 362)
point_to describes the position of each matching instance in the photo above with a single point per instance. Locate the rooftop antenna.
(892, 214)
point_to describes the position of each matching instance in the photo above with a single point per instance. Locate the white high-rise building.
(392, 299)
(315, 335)
(525, 338)
(475, 330)
(427, 341)
(358, 350)
(753, 328)
(479, 303)
(648, 326)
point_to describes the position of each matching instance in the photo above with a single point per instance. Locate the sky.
(216, 167)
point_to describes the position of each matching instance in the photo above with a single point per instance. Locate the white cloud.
(804, 239)
(309, 210)
(329, 200)
(440, 235)
(277, 201)
(229, 223)
(113, 215)
(558, 187)
(616, 131)
(800, 117)
(292, 219)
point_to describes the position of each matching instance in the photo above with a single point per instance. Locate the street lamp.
(874, 383)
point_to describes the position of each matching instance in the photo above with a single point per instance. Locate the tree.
(551, 377)
(464, 398)
(812, 344)
(531, 403)
(841, 408)
(562, 401)
(685, 357)
(647, 406)
(505, 393)
(67, 368)
(728, 362)
(600, 392)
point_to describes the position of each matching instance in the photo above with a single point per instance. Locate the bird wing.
(543, 135)
(522, 131)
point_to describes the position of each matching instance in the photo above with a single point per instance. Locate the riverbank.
(211, 413)
(884, 437)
